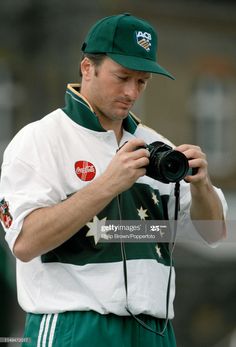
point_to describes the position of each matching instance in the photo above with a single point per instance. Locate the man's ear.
(87, 68)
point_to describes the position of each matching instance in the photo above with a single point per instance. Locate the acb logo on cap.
(144, 40)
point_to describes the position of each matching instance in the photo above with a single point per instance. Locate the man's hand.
(127, 165)
(197, 160)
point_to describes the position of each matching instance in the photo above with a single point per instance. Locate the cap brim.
(139, 64)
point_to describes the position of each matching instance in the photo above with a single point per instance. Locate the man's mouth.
(126, 104)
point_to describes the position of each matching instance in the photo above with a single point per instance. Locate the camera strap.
(171, 249)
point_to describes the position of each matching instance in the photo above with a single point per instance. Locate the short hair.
(96, 58)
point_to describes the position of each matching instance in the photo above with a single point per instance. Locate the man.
(62, 174)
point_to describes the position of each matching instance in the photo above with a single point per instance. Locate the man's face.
(112, 89)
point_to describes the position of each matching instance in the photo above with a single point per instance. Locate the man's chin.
(122, 114)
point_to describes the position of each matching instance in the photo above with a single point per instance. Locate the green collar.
(81, 112)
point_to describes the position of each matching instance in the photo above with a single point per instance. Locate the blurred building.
(40, 44)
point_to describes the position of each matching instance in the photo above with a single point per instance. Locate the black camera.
(167, 165)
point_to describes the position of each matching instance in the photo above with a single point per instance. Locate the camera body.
(167, 165)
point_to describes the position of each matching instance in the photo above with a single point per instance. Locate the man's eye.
(142, 82)
(122, 78)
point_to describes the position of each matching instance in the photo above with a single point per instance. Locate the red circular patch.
(85, 170)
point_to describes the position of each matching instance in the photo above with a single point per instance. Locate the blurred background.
(40, 44)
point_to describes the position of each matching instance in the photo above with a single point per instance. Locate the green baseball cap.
(128, 40)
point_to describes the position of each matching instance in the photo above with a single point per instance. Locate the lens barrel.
(165, 164)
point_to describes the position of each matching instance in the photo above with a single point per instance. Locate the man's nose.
(132, 90)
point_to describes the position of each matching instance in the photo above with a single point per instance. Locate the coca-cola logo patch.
(5, 215)
(85, 170)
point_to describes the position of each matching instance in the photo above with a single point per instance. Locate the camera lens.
(165, 164)
(173, 166)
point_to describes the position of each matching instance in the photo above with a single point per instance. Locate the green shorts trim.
(90, 329)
